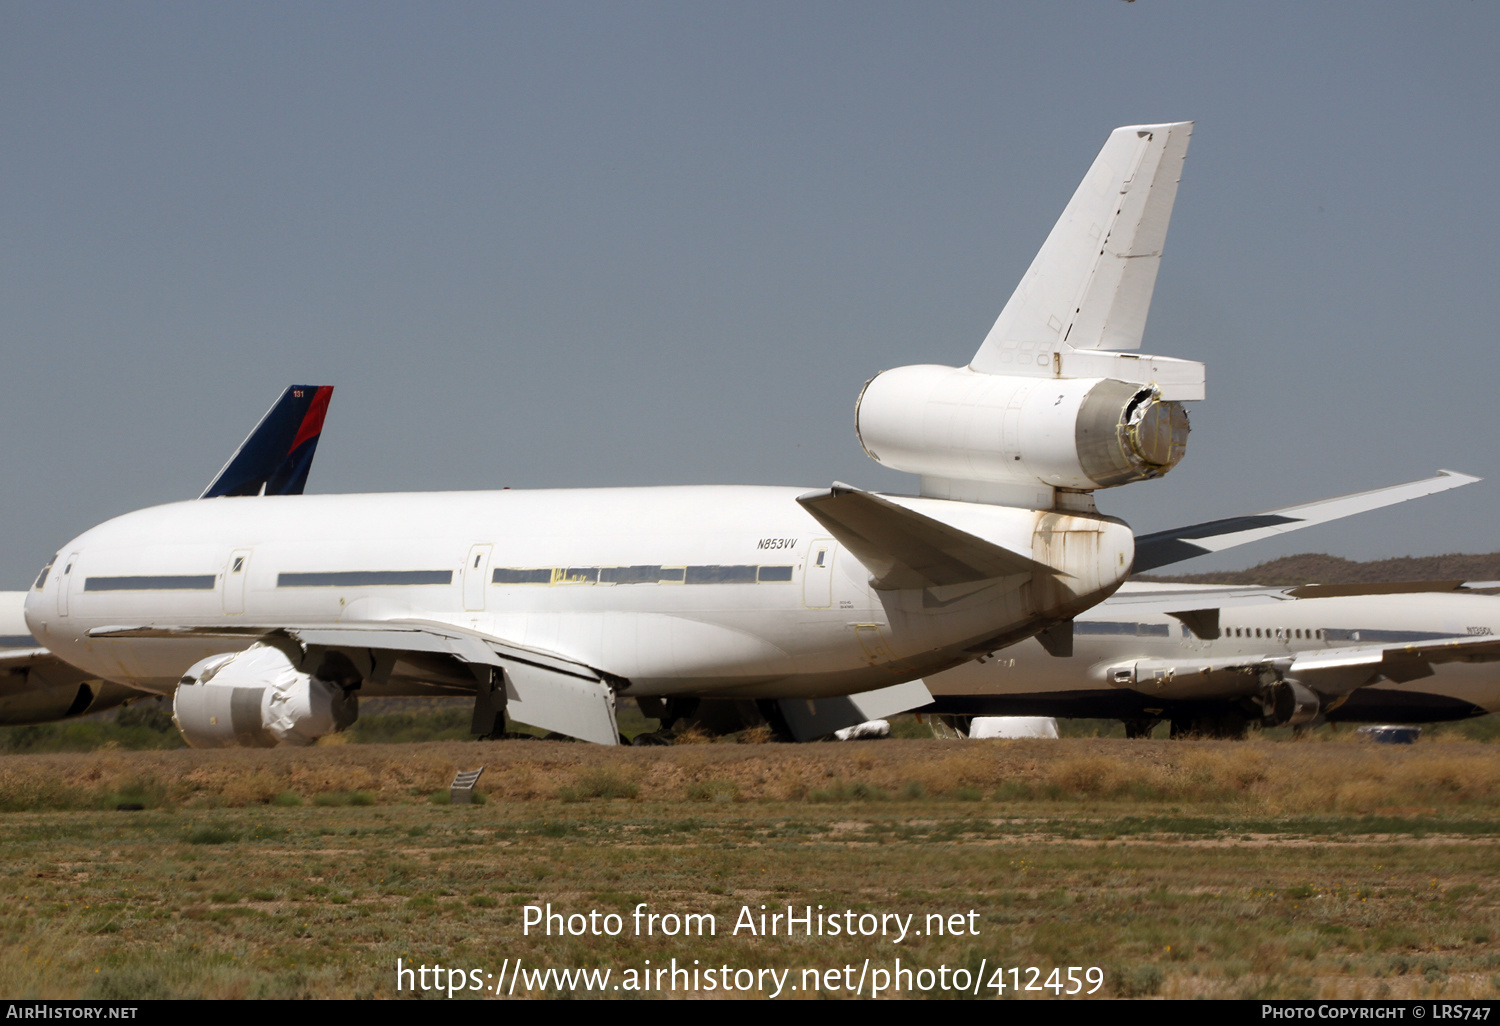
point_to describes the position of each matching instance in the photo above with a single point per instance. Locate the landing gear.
(1142, 728)
(489, 707)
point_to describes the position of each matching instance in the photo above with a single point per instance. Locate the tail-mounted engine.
(1077, 433)
(259, 699)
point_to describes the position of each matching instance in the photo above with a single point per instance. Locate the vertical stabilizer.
(1090, 285)
(275, 458)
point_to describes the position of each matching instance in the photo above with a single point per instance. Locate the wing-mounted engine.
(258, 698)
(1051, 400)
(1286, 702)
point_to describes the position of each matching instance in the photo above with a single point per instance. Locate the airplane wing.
(38, 687)
(1332, 671)
(541, 689)
(20, 658)
(905, 549)
(276, 457)
(1402, 661)
(1166, 547)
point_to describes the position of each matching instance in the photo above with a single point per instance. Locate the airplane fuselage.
(694, 590)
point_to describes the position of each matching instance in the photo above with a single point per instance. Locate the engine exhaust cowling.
(258, 699)
(1078, 433)
(1289, 703)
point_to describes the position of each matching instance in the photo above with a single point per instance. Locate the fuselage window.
(510, 575)
(175, 582)
(364, 578)
(721, 574)
(644, 574)
(629, 574)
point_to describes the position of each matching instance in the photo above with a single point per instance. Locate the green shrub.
(211, 834)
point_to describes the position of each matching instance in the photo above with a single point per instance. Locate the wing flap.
(810, 718)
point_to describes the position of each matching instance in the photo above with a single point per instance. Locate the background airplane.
(1214, 660)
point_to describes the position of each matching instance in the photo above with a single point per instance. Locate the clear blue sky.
(577, 244)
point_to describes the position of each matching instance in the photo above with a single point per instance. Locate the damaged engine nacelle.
(1288, 703)
(1078, 433)
(258, 699)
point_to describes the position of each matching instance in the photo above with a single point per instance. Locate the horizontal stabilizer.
(1166, 547)
(1091, 283)
(904, 549)
(277, 455)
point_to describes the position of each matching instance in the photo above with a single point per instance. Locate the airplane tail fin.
(1090, 285)
(275, 458)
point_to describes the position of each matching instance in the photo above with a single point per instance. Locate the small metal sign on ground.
(1389, 734)
(461, 791)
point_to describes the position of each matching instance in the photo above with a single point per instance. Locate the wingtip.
(1460, 477)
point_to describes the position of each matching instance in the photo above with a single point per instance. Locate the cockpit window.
(41, 578)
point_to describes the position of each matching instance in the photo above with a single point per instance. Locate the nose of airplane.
(33, 609)
(31, 612)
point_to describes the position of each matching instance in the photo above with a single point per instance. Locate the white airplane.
(265, 616)
(1214, 659)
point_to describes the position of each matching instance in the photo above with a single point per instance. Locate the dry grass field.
(1218, 869)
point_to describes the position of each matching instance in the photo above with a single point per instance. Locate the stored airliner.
(266, 615)
(1214, 659)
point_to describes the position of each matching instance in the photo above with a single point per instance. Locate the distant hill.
(1316, 568)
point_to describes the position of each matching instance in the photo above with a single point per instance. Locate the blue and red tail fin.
(276, 457)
